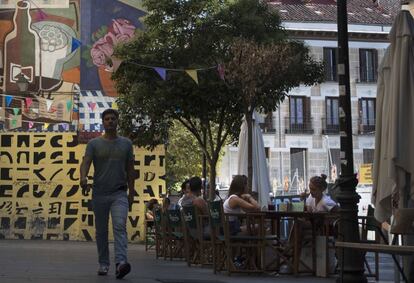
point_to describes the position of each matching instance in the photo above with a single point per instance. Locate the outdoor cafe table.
(313, 217)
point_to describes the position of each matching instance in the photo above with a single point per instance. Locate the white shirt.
(324, 205)
(228, 209)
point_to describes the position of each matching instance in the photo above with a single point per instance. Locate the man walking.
(113, 161)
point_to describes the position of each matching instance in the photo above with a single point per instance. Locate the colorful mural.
(39, 42)
(40, 196)
(105, 23)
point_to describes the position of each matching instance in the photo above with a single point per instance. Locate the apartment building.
(302, 137)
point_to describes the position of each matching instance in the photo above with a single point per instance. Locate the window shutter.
(307, 111)
(362, 66)
(328, 64)
(375, 62)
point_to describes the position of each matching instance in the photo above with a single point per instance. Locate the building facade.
(302, 137)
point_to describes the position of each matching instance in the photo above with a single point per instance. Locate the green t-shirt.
(109, 159)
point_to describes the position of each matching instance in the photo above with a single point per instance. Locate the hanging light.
(22, 82)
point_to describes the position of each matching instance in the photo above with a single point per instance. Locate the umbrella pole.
(352, 265)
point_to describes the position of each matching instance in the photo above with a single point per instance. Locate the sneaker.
(103, 270)
(122, 269)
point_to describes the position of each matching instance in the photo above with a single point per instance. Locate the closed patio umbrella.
(260, 182)
(394, 129)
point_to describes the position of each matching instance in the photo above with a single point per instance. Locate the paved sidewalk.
(58, 261)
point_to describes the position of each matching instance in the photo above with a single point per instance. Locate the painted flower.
(101, 50)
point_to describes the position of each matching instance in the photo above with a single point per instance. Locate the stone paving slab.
(57, 262)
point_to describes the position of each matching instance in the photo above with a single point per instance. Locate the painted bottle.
(22, 51)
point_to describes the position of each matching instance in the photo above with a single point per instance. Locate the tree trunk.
(212, 183)
(249, 121)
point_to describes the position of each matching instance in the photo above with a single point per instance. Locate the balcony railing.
(293, 125)
(364, 76)
(366, 126)
(330, 127)
(267, 128)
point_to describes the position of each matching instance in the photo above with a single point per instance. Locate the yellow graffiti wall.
(40, 196)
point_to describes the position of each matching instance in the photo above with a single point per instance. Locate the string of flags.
(45, 126)
(29, 101)
(162, 72)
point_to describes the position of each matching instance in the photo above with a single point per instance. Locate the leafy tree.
(195, 34)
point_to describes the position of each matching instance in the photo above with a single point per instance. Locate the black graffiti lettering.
(7, 154)
(137, 162)
(162, 158)
(160, 190)
(4, 191)
(137, 174)
(55, 155)
(71, 174)
(5, 174)
(135, 235)
(72, 191)
(149, 176)
(23, 189)
(55, 207)
(87, 235)
(149, 159)
(37, 191)
(133, 221)
(23, 139)
(67, 222)
(54, 174)
(149, 191)
(74, 141)
(162, 177)
(38, 156)
(41, 141)
(57, 191)
(37, 173)
(5, 223)
(87, 203)
(20, 223)
(53, 222)
(6, 140)
(38, 210)
(66, 237)
(23, 179)
(72, 158)
(54, 141)
(7, 206)
(69, 210)
(19, 155)
(21, 210)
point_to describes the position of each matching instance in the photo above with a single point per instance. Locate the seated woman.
(318, 201)
(150, 205)
(238, 200)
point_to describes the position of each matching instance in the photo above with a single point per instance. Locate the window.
(368, 156)
(267, 124)
(367, 115)
(299, 119)
(330, 58)
(297, 170)
(332, 115)
(368, 64)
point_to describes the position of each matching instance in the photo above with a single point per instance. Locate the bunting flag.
(48, 104)
(31, 124)
(68, 104)
(114, 105)
(29, 102)
(16, 111)
(220, 70)
(162, 72)
(45, 126)
(75, 44)
(35, 110)
(65, 126)
(193, 75)
(14, 122)
(40, 15)
(8, 100)
(92, 105)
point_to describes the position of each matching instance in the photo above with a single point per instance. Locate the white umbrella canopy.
(260, 180)
(394, 129)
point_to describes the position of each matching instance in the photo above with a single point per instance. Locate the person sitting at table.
(185, 189)
(150, 205)
(317, 200)
(237, 201)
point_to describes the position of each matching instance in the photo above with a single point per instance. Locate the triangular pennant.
(45, 126)
(31, 124)
(48, 104)
(193, 75)
(115, 64)
(92, 105)
(8, 100)
(220, 70)
(35, 110)
(162, 72)
(41, 15)
(29, 102)
(14, 122)
(68, 104)
(16, 111)
(114, 105)
(65, 126)
(75, 44)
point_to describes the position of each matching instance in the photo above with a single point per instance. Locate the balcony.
(330, 127)
(364, 76)
(293, 125)
(366, 126)
(267, 128)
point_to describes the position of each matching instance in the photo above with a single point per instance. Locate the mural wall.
(40, 196)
